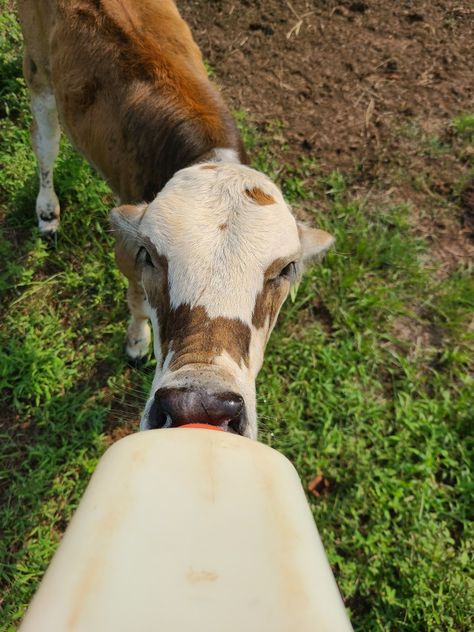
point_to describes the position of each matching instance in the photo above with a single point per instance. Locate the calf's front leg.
(45, 130)
(124, 221)
(138, 332)
(45, 136)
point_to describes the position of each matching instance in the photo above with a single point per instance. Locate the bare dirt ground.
(369, 88)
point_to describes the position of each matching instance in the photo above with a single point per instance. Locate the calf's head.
(215, 254)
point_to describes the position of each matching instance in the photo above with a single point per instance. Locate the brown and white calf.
(209, 246)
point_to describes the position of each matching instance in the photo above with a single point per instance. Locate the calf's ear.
(314, 243)
(125, 218)
(124, 222)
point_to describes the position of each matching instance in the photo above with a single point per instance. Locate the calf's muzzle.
(174, 407)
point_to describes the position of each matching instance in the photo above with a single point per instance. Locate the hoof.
(48, 228)
(137, 352)
(50, 238)
(137, 363)
(138, 343)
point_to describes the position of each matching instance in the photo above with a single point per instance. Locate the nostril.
(231, 405)
(170, 407)
(157, 417)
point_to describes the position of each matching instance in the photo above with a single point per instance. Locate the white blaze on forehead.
(217, 240)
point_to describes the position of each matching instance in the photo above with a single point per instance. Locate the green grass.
(366, 380)
(464, 125)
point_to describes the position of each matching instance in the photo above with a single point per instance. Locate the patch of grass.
(385, 417)
(435, 147)
(463, 124)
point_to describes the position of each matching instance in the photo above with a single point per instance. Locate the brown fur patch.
(268, 305)
(196, 338)
(209, 167)
(271, 297)
(260, 197)
(276, 267)
(222, 226)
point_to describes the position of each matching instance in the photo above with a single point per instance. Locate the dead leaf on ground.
(319, 485)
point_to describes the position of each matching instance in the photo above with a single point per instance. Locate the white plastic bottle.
(188, 530)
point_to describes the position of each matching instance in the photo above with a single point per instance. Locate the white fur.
(219, 269)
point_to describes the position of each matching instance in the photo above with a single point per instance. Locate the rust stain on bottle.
(197, 577)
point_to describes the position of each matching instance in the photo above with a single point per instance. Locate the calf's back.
(131, 88)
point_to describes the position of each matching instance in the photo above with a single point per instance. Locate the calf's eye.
(143, 257)
(289, 271)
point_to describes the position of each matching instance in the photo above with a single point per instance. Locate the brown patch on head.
(222, 226)
(272, 296)
(209, 167)
(276, 267)
(196, 338)
(260, 197)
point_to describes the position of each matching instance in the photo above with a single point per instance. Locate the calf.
(209, 246)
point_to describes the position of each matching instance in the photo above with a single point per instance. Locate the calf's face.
(215, 254)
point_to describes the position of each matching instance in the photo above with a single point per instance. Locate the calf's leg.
(138, 332)
(123, 220)
(45, 135)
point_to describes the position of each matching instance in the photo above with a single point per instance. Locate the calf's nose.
(178, 406)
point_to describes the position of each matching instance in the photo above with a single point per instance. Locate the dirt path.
(364, 87)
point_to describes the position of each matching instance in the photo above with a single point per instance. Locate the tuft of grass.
(463, 124)
(367, 379)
